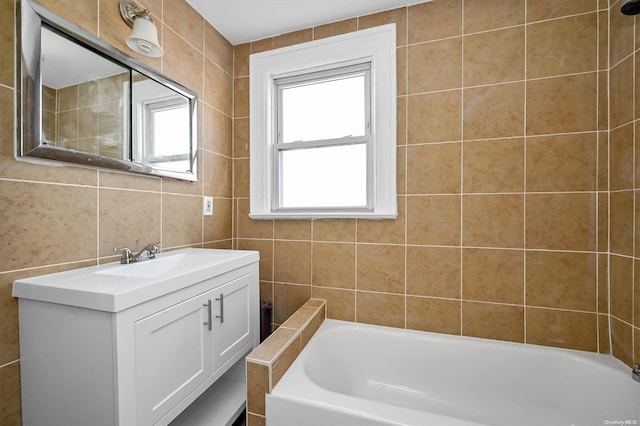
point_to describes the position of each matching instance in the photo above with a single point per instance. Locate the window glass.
(334, 176)
(168, 133)
(321, 159)
(324, 109)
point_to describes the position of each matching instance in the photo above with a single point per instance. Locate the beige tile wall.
(623, 185)
(57, 218)
(87, 117)
(508, 186)
(503, 181)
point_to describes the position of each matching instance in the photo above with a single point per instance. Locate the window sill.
(311, 216)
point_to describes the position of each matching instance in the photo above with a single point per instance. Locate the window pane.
(169, 136)
(333, 176)
(324, 109)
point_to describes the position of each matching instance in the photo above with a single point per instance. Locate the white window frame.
(148, 98)
(280, 146)
(376, 46)
(150, 108)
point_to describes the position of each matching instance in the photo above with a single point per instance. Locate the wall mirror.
(85, 102)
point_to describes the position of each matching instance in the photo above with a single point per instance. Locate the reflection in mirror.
(161, 125)
(84, 104)
(87, 103)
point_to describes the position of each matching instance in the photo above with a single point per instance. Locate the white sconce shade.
(144, 38)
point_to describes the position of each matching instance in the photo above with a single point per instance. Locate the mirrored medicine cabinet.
(84, 102)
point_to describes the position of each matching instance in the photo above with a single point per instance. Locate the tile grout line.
(406, 170)
(503, 83)
(634, 269)
(15, 361)
(203, 83)
(597, 182)
(462, 135)
(609, 322)
(524, 185)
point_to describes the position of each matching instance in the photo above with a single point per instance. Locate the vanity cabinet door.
(173, 356)
(234, 310)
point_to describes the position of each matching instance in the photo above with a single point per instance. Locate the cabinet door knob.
(221, 316)
(208, 306)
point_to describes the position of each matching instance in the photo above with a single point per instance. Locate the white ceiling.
(59, 72)
(241, 21)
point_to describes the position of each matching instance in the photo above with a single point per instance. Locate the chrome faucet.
(148, 252)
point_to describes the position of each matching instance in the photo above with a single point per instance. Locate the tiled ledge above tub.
(268, 362)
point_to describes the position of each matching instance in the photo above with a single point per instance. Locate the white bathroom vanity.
(138, 344)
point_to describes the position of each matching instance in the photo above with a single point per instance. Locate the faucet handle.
(126, 254)
(154, 247)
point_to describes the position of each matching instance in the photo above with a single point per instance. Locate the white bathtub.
(357, 374)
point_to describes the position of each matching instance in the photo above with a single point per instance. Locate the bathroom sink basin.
(114, 287)
(166, 265)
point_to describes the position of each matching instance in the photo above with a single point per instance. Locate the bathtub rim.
(607, 359)
(296, 376)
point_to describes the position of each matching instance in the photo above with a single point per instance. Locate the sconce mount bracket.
(130, 11)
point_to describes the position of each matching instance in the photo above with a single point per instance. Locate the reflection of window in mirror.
(76, 103)
(84, 105)
(161, 126)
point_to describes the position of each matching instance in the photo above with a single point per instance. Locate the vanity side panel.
(67, 365)
(255, 301)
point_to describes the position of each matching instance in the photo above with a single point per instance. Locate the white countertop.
(114, 287)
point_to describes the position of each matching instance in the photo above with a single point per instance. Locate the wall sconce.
(144, 38)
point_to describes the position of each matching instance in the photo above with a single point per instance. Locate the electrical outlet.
(207, 206)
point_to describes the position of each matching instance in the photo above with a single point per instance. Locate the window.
(323, 125)
(161, 117)
(164, 145)
(323, 135)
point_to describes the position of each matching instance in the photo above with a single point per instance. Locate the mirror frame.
(30, 145)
